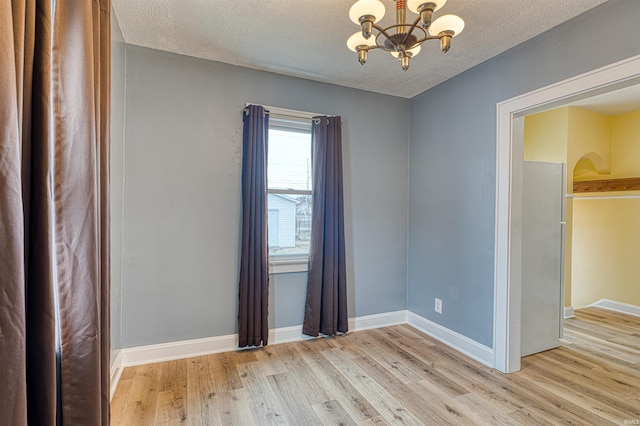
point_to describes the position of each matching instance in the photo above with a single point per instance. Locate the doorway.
(509, 179)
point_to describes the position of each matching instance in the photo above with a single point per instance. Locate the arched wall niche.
(590, 165)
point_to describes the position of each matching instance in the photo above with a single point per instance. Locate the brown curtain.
(326, 305)
(54, 223)
(253, 326)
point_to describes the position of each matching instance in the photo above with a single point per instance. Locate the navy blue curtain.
(326, 304)
(253, 327)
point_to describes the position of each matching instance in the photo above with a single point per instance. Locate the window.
(289, 188)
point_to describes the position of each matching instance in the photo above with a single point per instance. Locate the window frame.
(289, 263)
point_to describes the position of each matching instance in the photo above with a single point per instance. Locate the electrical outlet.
(438, 306)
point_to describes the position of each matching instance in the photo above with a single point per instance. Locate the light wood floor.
(395, 375)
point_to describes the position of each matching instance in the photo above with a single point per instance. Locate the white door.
(542, 256)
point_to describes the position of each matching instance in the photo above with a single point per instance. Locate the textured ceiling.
(613, 103)
(307, 38)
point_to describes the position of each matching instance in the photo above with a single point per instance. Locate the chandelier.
(402, 40)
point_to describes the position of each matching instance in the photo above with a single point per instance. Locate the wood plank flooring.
(395, 375)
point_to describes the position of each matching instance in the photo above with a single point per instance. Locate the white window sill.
(286, 265)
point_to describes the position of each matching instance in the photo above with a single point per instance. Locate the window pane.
(289, 224)
(289, 162)
(289, 168)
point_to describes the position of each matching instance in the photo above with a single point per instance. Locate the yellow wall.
(606, 249)
(625, 145)
(595, 146)
(545, 136)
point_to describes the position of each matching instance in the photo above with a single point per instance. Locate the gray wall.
(117, 177)
(452, 161)
(182, 195)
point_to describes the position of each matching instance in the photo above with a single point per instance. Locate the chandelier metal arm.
(395, 39)
(422, 40)
(413, 27)
(383, 31)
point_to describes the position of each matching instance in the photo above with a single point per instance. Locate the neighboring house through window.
(289, 190)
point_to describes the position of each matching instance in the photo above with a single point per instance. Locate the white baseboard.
(116, 372)
(378, 320)
(162, 352)
(286, 335)
(294, 334)
(621, 307)
(190, 348)
(569, 312)
(463, 344)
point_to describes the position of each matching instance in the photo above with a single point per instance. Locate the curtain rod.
(288, 112)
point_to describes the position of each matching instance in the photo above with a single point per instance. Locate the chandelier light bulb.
(358, 40)
(362, 8)
(413, 52)
(452, 23)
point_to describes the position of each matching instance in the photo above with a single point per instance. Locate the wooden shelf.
(606, 185)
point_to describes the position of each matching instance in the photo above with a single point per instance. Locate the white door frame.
(509, 165)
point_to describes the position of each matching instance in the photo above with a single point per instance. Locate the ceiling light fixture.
(402, 40)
